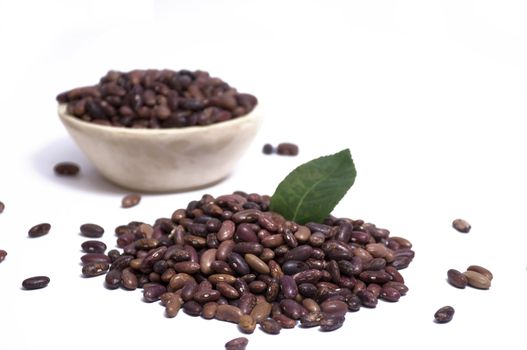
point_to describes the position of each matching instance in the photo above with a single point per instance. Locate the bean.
(39, 230)
(301, 253)
(209, 310)
(189, 267)
(329, 323)
(192, 308)
(95, 269)
(238, 264)
(367, 298)
(311, 319)
(91, 230)
(247, 324)
(130, 200)
(456, 278)
(237, 344)
(287, 149)
(389, 294)
(94, 247)
(113, 279)
(2, 207)
(380, 276)
(257, 264)
(284, 321)
(270, 326)
(292, 309)
(400, 287)
(228, 313)
(461, 225)
(477, 280)
(153, 291)
(261, 311)
(444, 314)
(66, 169)
(247, 303)
(129, 279)
(173, 306)
(267, 149)
(206, 260)
(334, 307)
(288, 287)
(3, 255)
(227, 290)
(481, 270)
(226, 230)
(36, 282)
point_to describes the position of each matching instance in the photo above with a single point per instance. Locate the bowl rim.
(251, 116)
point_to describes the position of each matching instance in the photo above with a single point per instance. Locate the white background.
(430, 97)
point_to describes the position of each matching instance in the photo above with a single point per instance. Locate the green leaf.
(311, 191)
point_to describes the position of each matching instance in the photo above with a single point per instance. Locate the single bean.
(444, 314)
(39, 230)
(456, 278)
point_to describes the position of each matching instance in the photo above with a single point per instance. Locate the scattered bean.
(287, 149)
(130, 200)
(66, 169)
(91, 230)
(267, 149)
(461, 225)
(457, 279)
(36, 282)
(39, 230)
(444, 314)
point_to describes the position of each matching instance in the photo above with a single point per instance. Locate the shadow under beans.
(65, 150)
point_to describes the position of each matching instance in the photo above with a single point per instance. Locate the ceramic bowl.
(163, 160)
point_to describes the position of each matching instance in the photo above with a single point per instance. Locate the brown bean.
(173, 305)
(247, 324)
(206, 260)
(209, 310)
(91, 230)
(179, 280)
(95, 269)
(226, 230)
(284, 321)
(130, 200)
(189, 267)
(456, 278)
(237, 344)
(311, 305)
(257, 264)
(477, 280)
(129, 279)
(481, 270)
(228, 313)
(227, 290)
(66, 169)
(270, 326)
(39, 230)
(36, 282)
(261, 311)
(444, 314)
(334, 307)
(461, 225)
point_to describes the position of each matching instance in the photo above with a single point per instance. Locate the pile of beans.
(231, 259)
(157, 99)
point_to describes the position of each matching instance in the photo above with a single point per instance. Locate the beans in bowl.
(157, 99)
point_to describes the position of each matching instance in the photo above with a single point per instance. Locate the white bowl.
(163, 160)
